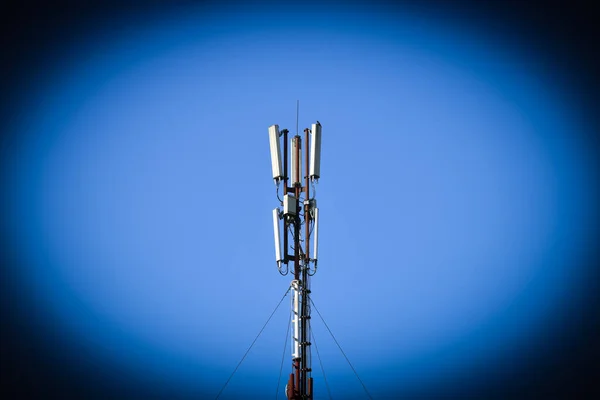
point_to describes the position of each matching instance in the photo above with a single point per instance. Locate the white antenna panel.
(277, 236)
(316, 235)
(275, 152)
(315, 151)
(296, 155)
(295, 319)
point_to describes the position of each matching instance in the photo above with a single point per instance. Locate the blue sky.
(456, 198)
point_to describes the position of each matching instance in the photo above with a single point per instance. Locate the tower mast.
(299, 217)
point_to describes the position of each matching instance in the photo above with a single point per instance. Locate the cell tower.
(300, 218)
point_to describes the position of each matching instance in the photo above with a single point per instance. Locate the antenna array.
(298, 216)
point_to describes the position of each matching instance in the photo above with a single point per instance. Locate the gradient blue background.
(458, 199)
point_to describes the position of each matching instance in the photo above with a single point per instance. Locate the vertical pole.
(305, 277)
(297, 219)
(290, 388)
(297, 188)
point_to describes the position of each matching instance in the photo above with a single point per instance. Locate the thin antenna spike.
(297, 114)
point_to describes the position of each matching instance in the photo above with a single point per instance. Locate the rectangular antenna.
(315, 153)
(276, 233)
(275, 152)
(295, 319)
(315, 248)
(296, 164)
